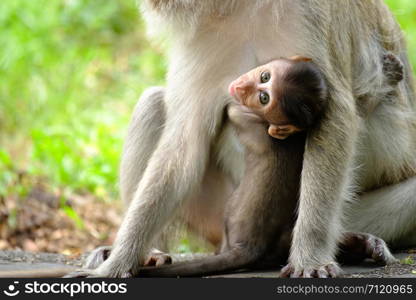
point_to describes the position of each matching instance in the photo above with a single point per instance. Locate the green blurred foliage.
(70, 74)
(405, 12)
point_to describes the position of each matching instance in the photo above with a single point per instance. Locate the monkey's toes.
(393, 67)
(286, 271)
(357, 247)
(331, 270)
(377, 249)
(97, 257)
(157, 258)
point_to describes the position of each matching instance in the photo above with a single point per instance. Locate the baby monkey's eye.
(265, 77)
(264, 98)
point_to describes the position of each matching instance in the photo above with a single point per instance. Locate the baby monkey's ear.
(300, 58)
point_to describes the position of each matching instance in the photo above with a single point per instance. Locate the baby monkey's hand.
(282, 132)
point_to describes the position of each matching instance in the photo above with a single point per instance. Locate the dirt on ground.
(42, 222)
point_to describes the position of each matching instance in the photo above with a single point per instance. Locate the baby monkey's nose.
(243, 88)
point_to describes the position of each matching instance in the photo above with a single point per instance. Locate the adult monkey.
(364, 150)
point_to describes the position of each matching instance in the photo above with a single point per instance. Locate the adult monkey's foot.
(100, 254)
(330, 270)
(97, 257)
(356, 247)
(157, 258)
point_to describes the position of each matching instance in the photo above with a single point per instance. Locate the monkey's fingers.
(285, 129)
(282, 132)
(280, 136)
(393, 67)
(97, 257)
(331, 270)
(286, 271)
(157, 259)
(358, 246)
(378, 250)
(277, 134)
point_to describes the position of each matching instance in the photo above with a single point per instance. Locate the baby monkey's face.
(258, 90)
(266, 91)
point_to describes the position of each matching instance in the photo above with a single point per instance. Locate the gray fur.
(355, 165)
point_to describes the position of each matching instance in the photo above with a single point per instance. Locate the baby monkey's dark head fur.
(303, 94)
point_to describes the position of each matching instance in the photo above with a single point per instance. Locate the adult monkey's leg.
(174, 171)
(202, 214)
(325, 181)
(143, 134)
(388, 213)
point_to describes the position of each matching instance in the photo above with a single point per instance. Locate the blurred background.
(70, 74)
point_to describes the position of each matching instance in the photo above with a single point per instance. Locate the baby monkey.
(288, 93)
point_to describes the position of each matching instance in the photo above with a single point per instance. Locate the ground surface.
(39, 222)
(26, 264)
